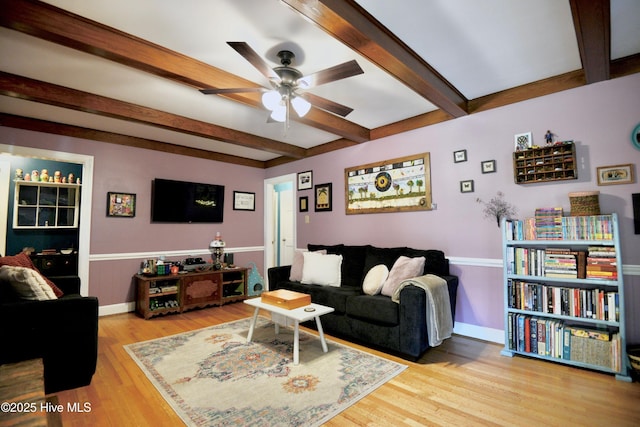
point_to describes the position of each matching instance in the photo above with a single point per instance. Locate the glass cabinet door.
(53, 205)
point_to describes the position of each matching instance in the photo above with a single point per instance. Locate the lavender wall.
(599, 118)
(117, 243)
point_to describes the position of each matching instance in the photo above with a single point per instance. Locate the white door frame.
(5, 181)
(84, 230)
(270, 219)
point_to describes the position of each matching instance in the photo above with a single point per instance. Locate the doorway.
(5, 180)
(84, 228)
(280, 221)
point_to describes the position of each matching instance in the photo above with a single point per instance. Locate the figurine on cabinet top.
(549, 137)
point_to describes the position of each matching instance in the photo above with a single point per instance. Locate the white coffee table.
(297, 315)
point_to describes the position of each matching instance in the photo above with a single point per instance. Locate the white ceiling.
(480, 48)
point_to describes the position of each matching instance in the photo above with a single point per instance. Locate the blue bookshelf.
(579, 318)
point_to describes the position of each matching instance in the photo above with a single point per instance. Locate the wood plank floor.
(464, 382)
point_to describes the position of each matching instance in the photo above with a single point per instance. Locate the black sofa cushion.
(331, 296)
(386, 256)
(435, 262)
(373, 308)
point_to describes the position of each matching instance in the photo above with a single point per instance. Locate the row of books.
(597, 262)
(602, 263)
(556, 339)
(576, 302)
(549, 224)
(594, 227)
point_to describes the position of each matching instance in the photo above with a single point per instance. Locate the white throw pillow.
(296, 266)
(404, 268)
(320, 269)
(374, 279)
(27, 283)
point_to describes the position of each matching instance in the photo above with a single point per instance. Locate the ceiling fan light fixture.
(279, 114)
(271, 100)
(301, 105)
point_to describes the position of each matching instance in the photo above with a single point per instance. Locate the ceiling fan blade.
(232, 90)
(256, 60)
(327, 105)
(338, 72)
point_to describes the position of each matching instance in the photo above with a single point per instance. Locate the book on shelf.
(594, 227)
(557, 339)
(564, 301)
(549, 224)
(602, 263)
(562, 263)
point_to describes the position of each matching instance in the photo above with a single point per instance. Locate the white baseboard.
(479, 332)
(125, 307)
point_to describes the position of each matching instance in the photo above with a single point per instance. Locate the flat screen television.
(186, 202)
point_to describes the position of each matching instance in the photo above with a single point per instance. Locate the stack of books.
(549, 223)
(601, 263)
(565, 263)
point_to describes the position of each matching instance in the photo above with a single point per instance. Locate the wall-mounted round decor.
(635, 137)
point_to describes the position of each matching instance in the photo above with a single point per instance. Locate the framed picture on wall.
(303, 203)
(466, 186)
(305, 180)
(402, 184)
(244, 201)
(488, 166)
(618, 174)
(121, 204)
(460, 156)
(323, 196)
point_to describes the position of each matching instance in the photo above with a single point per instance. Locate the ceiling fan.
(287, 83)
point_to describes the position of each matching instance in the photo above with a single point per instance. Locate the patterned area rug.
(212, 376)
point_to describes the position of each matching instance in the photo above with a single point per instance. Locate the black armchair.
(63, 332)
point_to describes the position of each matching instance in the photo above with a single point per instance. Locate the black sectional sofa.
(373, 320)
(62, 332)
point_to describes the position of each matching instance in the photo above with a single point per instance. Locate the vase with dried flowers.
(497, 208)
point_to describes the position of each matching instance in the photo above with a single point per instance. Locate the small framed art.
(488, 166)
(466, 186)
(303, 204)
(617, 174)
(323, 196)
(460, 156)
(523, 141)
(244, 201)
(121, 204)
(305, 180)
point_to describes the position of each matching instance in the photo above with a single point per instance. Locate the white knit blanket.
(439, 322)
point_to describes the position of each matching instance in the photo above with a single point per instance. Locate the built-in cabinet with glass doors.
(46, 205)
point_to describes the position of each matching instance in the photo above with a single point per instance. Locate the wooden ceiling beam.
(619, 68)
(47, 93)
(53, 128)
(65, 28)
(592, 22)
(349, 23)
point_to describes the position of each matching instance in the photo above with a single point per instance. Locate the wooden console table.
(22, 396)
(175, 293)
